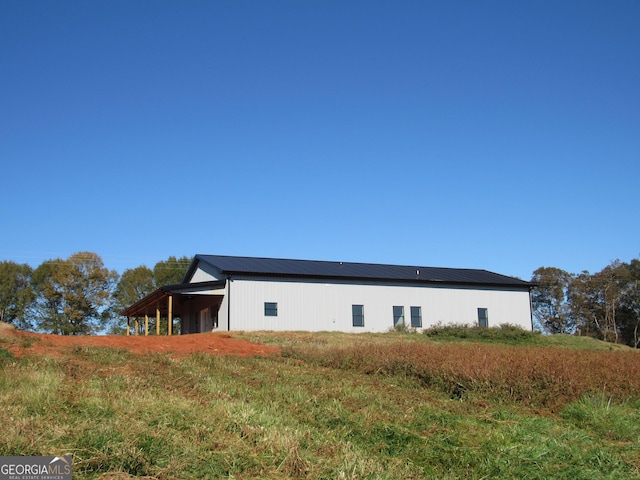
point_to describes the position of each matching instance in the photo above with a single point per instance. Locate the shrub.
(505, 333)
(402, 328)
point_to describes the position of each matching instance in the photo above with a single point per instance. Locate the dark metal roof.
(355, 271)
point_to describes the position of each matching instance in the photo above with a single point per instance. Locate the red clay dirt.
(30, 343)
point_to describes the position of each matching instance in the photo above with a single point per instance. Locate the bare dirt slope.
(28, 343)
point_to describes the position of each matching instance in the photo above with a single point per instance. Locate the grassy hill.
(331, 405)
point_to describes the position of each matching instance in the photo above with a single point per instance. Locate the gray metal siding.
(320, 306)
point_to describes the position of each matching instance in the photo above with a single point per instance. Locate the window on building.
(416, 317)
(357, 312)
(398, 315)
(483, 317)
(270, 309)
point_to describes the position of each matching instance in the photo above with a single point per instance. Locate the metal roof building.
(249, 293)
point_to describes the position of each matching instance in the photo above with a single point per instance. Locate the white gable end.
(205, 273)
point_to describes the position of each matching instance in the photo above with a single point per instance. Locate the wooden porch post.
(146, 325)
(128, 326)
(157, 318)
(170, 316)
(137, 327)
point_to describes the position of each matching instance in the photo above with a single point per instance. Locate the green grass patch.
(601, 416)
(513, 335)
(504, 334)
(5, 355)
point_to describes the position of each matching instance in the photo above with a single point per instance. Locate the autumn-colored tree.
(74, 295)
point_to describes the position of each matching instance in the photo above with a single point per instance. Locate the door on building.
(205, 320)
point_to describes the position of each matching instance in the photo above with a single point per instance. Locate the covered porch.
(196, 305)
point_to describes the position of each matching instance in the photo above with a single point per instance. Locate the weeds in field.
(537, 376)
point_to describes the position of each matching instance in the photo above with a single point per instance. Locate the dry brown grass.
(6, 328)
(539, 376)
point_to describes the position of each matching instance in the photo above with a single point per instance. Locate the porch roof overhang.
(157, 300)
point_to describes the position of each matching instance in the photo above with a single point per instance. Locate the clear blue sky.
(501, 135)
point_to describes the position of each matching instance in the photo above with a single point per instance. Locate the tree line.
(604, 305)
(80, 296)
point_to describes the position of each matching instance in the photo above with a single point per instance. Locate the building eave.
(356, 272)
(149, 302)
